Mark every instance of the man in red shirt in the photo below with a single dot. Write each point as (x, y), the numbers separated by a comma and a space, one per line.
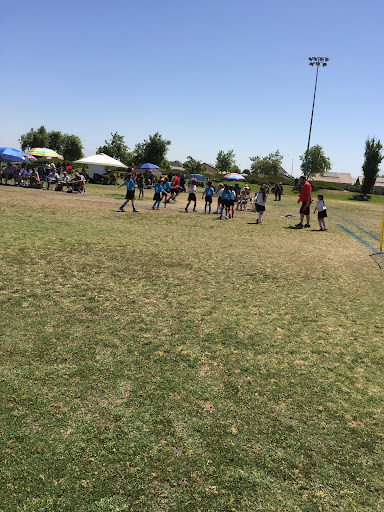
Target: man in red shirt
(305, 199)
(175, 189)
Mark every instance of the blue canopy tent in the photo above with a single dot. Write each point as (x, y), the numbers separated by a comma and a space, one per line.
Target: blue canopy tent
(198, 177)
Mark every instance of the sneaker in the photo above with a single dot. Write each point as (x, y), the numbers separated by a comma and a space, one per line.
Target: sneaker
(307, 225)
(157, 208)
(229, 215)
(121, 209)
(153, 208)
(135, 211)
(299, 225)
(257, 221)
(194, 209)
(321, 229)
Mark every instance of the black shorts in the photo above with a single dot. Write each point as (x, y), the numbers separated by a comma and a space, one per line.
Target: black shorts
(260, 208)
(231, 202)
(219, 200)
(157, 196)
(208, 199)
(192, 197)
(304, 210)
(174, 190)
(321, 215)
(164, 193)
(130, 194)
(225, 202)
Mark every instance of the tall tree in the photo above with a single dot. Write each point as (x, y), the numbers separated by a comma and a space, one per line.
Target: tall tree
(193, 166)
(116, 148)
(266, 165)
(152, 151)
(55, 141)
(226, 162)
(72, 148)
(34, 138)
(372, 160)
(318, 163)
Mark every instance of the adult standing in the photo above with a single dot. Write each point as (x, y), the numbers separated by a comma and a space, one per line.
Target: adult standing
(305, 199)
(134, 173)
(280, 191)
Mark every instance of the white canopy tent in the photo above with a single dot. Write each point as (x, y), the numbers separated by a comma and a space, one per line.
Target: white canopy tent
(97, 163)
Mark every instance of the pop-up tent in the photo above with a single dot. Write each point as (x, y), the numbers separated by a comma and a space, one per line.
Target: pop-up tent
(97, 163)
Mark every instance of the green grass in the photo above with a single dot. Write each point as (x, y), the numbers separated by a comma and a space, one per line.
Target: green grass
(165, 361)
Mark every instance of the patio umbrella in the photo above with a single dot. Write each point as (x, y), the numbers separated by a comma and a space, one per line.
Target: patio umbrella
(147, 166)
(234, 176)
(151, 167)
(44, 153)
(12, 155)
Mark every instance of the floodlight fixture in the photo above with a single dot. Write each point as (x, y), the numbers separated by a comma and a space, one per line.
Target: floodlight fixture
(318, 61)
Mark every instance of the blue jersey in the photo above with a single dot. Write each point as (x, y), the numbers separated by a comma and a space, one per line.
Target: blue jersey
(130, 184)
(158, 188)
(167, 186)
(209, 191)
(227, 195)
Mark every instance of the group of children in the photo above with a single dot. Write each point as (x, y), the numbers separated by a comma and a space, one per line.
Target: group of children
(226, 198)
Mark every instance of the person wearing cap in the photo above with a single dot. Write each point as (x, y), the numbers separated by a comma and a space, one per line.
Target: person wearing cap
(64, 182)
(52, 177)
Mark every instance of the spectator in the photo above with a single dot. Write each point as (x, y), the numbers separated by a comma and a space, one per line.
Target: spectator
(305, 199)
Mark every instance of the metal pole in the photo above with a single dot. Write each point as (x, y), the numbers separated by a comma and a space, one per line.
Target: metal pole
(310, 126)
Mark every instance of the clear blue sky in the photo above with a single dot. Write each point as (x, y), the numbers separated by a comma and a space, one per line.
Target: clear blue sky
(208, 75)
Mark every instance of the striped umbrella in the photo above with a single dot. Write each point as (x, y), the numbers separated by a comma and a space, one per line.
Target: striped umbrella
(234, 176)
(44, 153)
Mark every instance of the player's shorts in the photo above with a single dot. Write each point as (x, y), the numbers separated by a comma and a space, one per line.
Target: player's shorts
(130, 194)
(322, 215)
(208, 199)
(260, 208)
(192, 197)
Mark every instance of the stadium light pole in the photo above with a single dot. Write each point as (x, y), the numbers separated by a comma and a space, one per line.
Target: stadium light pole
(313, 61)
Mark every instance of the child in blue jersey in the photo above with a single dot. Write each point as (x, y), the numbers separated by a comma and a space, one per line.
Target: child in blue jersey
(167, 190)
(157, 197)
(208, 193)
(225, 201)
(130, 184)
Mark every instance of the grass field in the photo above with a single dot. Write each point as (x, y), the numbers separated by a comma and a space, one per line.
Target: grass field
(171, 361)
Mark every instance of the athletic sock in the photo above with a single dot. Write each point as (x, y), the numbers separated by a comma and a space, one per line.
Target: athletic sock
(209, 209)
